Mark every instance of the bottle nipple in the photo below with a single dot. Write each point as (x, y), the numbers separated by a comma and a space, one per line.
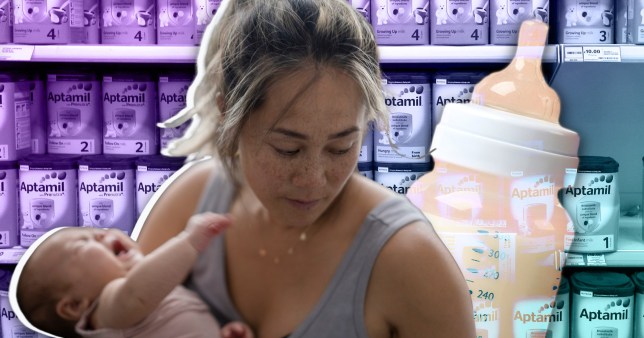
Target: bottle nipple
(520, 88)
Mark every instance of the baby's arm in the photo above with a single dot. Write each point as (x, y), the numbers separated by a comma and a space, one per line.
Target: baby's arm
(128, 300)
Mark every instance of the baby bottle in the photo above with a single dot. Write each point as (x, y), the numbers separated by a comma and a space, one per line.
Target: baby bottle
(492, 196)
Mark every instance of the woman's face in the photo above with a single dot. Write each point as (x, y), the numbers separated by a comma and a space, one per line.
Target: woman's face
(299, 148)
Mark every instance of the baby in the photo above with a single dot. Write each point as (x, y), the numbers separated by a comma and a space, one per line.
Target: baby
(92, 282)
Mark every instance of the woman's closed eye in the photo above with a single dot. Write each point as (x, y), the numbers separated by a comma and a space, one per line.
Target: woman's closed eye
(340, 151)
(286, 152)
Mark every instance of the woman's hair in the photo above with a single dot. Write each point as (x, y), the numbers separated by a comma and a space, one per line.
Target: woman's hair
(250, 46)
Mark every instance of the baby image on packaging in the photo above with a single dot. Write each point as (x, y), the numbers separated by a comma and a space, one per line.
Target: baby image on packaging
(99, 284)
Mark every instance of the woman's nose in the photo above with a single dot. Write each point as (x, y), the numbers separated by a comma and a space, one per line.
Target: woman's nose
(309, 173)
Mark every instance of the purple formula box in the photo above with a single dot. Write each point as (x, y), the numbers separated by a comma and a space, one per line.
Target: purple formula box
(89, 33)
(11, 325)
(15, 117)
(204, 12)
(449, 88)
(151, 173)
(586, 21)
(6, 22)
(106, 191)
(130, 114)
(400, 22)
(92, 22)
(176, 24)
(363, 7)
(507, 16)
(460, 22)
(46, 21)
(38, 115)
(173, 90)
(9, 204)
(48, 195)
(408, 98)
(128, 22)
(74, 110)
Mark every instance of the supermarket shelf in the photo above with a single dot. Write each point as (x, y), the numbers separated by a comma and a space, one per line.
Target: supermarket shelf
(456, 54)
(188, 54)
(99, 53)
(630, 251)
(611, 53)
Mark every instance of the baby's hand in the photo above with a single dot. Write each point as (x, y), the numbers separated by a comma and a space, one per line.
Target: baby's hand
(204, 227)
(236, 330)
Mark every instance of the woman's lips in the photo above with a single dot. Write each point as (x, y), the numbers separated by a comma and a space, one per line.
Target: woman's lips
(301, 204)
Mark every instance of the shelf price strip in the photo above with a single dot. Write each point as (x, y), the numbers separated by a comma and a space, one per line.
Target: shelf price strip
(592, 54)
(16, 52)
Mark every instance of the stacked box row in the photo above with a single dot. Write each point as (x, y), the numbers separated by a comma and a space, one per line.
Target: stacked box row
(395, 22)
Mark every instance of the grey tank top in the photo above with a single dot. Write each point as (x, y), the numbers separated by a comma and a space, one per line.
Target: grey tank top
(340, 310)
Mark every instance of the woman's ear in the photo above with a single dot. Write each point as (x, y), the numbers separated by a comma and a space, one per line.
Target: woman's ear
(70, 308)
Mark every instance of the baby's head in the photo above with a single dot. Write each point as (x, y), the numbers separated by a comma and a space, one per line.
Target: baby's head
(67, 272)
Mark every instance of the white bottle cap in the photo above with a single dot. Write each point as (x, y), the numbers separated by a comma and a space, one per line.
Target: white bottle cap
(498, 142)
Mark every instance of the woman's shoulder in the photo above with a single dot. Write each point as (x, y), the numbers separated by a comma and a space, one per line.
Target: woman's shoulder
(416, 257)
(368, 194)
(434, 297)
(188, 183)
(176, 202)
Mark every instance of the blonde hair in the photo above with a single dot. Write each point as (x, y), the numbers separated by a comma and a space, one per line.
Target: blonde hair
(250, 45)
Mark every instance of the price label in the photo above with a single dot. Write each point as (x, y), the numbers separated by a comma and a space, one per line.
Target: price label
(573, 54)
(575, 260)
(596, 260)
(11, 255)
(602, 54)
(592, 54)
(16, 52)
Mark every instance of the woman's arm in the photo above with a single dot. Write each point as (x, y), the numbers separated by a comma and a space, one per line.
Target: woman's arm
(176, 204)
(422, 290)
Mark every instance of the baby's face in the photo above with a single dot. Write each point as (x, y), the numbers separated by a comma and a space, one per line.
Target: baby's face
(95, 257)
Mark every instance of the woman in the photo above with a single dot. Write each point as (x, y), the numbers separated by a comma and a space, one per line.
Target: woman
(282, 100)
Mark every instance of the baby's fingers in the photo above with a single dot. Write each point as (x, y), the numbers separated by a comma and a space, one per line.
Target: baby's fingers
(236, 330)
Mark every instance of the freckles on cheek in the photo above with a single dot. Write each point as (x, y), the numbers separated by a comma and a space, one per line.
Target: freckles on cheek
(267, 166)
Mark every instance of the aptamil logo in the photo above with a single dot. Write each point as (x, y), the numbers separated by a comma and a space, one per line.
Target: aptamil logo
(179, 97)
(6, 313)
(544, 186)
(72, 94)
(152, 187)
(409, 102)
(402, 187)
(588, 190)
(442, 101)
(539, 317)
(104, 185)
(483, 313)
(465, 184)
(44, 186)
(616, 314)
(129, 94)
(147, 188)
(599, 315)
(492, 316)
